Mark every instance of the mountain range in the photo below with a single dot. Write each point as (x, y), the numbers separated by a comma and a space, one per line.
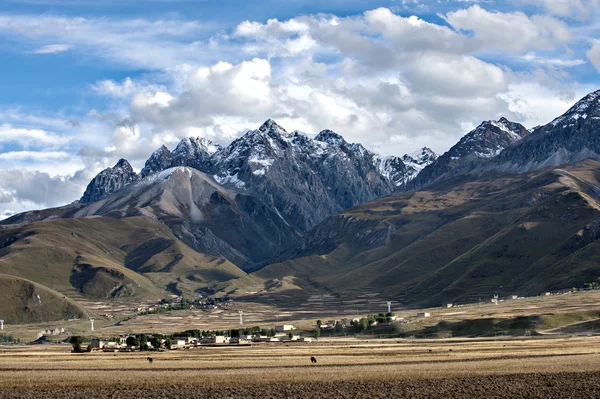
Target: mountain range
(278, 211)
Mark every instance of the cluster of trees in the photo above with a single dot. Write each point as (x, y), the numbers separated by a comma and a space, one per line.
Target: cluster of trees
(256, 330)
(141, 342)
(340, 326)
(9, 339)
(366, 322)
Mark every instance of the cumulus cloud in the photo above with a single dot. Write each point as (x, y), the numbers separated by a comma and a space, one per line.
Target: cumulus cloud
(513, 32)
(20, 186)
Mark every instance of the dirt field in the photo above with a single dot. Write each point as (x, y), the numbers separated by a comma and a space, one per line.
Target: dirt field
(548, 368)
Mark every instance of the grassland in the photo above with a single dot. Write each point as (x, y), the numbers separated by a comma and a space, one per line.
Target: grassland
(346, 368)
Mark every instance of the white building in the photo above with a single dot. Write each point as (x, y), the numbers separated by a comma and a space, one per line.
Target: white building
(284, 327)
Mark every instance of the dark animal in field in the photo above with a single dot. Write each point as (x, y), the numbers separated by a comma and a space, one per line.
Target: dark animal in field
(430, 350)
(449, 350)
(149, 360)
(313, 359)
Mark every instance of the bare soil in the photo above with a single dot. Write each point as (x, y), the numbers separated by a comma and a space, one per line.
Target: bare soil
(558, 385)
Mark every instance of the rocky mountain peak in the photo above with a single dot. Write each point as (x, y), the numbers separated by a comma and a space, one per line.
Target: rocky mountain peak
(330, 137)
(488, 139)
(271, 128)
(108, 181)
(160, 159)
(124, 165)
(423, 156)
(587, 107)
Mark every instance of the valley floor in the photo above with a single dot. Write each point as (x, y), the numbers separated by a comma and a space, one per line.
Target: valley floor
(453, 368)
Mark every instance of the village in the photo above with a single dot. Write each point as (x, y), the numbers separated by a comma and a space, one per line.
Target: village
(188, 340)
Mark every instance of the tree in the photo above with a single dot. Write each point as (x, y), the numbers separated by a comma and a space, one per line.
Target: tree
(317, 332)
(291, 335)
(363, 324)
(155, 342)
(76, 341)
(132, 341)
(319, 324)
(143, 342)
(168, 343)
(338, 327)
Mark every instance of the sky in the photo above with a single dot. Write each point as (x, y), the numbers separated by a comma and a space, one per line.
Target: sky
(84, 83)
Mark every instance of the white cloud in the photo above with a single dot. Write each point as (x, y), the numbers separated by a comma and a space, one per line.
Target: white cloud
(33, 155)
(593, 53)
(533, 58)
(566, 8)
(124, 89)
(29, 137)
(134, 42)
(39, 189)
(53, 49)
(512, 32)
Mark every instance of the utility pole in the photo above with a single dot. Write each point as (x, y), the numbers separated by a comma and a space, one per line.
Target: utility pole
(92, 323)
(389, 303)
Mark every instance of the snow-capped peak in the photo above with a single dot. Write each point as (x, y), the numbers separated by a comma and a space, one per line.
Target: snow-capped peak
(589, 106)
(272, 128)
(330, 137)
(193, 144)
(124, 165)
(421, 156)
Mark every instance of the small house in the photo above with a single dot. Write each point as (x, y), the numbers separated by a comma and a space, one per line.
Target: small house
(423, 314)
(217, 339)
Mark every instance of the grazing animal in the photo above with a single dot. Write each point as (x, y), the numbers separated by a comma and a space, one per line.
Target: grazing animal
(149, 360)
(430, 350)
(450, 350)
(313, 359)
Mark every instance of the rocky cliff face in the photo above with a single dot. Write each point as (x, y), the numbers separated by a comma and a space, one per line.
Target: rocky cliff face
(487, 141)
(108, 181)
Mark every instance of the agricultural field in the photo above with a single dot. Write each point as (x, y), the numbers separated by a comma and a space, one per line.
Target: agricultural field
(517, 367)
(573, 313)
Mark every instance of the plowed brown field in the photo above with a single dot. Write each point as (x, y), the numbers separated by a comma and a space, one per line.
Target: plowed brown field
(523, 368)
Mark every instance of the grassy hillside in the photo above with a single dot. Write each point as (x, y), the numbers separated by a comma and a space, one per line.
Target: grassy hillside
(104, 258)
(23, 301)
(455, 242)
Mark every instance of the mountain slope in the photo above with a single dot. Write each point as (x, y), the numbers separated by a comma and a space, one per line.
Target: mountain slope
(23, 301)
(104, 258)
(454, 242)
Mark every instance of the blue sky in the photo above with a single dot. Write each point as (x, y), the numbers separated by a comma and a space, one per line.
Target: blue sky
(84, 83)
